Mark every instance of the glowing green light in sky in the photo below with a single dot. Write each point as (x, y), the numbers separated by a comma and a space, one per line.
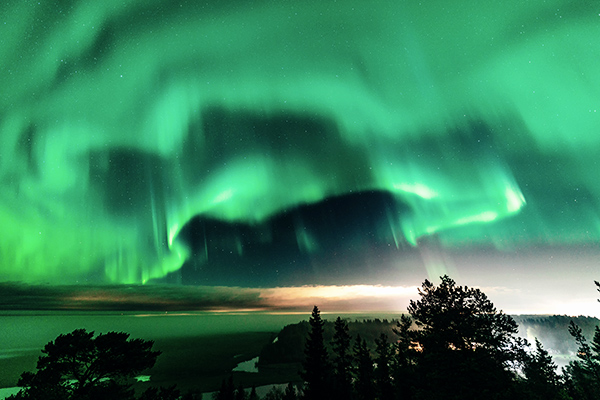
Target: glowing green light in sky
(122, 120)
(417, 188)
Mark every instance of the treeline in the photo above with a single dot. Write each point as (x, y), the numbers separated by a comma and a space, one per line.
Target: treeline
(552, 331)
(289, 346)
(453, 345)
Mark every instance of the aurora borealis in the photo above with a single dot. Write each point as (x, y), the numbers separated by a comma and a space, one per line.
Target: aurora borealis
(295, 142)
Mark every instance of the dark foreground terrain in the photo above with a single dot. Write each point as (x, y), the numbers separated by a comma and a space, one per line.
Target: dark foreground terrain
(199, 351)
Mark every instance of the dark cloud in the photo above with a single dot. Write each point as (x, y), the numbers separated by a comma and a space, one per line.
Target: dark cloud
(20, 297)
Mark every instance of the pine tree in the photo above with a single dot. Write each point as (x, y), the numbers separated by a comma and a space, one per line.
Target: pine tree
(316, 365)
(80, 366)
(460, 318)
(342, 361)
(468, 347)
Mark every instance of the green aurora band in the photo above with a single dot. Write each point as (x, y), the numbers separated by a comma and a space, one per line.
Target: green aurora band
(120, 120)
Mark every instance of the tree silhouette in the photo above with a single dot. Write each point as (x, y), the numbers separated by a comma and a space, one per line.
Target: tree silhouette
(274, 393)
(80, 366)
(540, 371)
(364, 384)
(227, 390)
(240, 393)
(253, 395)
(342, 360)
(382, 372)
(170, 393)
(460, 318)
(468, 347)
(583, 374)
(192, 395)
(290, 392)
(316, 365)
(404, 359)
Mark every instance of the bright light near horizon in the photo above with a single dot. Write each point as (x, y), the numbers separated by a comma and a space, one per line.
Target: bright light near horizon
(344, 297)
(573, 308)
(513, 301)
(375, 298)
(343, 291)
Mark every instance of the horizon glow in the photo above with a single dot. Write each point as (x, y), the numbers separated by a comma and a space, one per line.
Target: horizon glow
(176, 300)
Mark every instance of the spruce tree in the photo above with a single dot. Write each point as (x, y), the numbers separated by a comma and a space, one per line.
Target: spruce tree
(583, 374)
(382, 372)
(540, 371)
(227, 390)
(240, 393)
(364, 385)
(316, 370)
(404, 359)
(253, 395)
(342, 360)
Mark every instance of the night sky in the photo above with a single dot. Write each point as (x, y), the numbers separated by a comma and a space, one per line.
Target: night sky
(274, 144)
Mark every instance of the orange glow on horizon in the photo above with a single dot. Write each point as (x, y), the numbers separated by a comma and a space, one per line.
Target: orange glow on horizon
(341, 298)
